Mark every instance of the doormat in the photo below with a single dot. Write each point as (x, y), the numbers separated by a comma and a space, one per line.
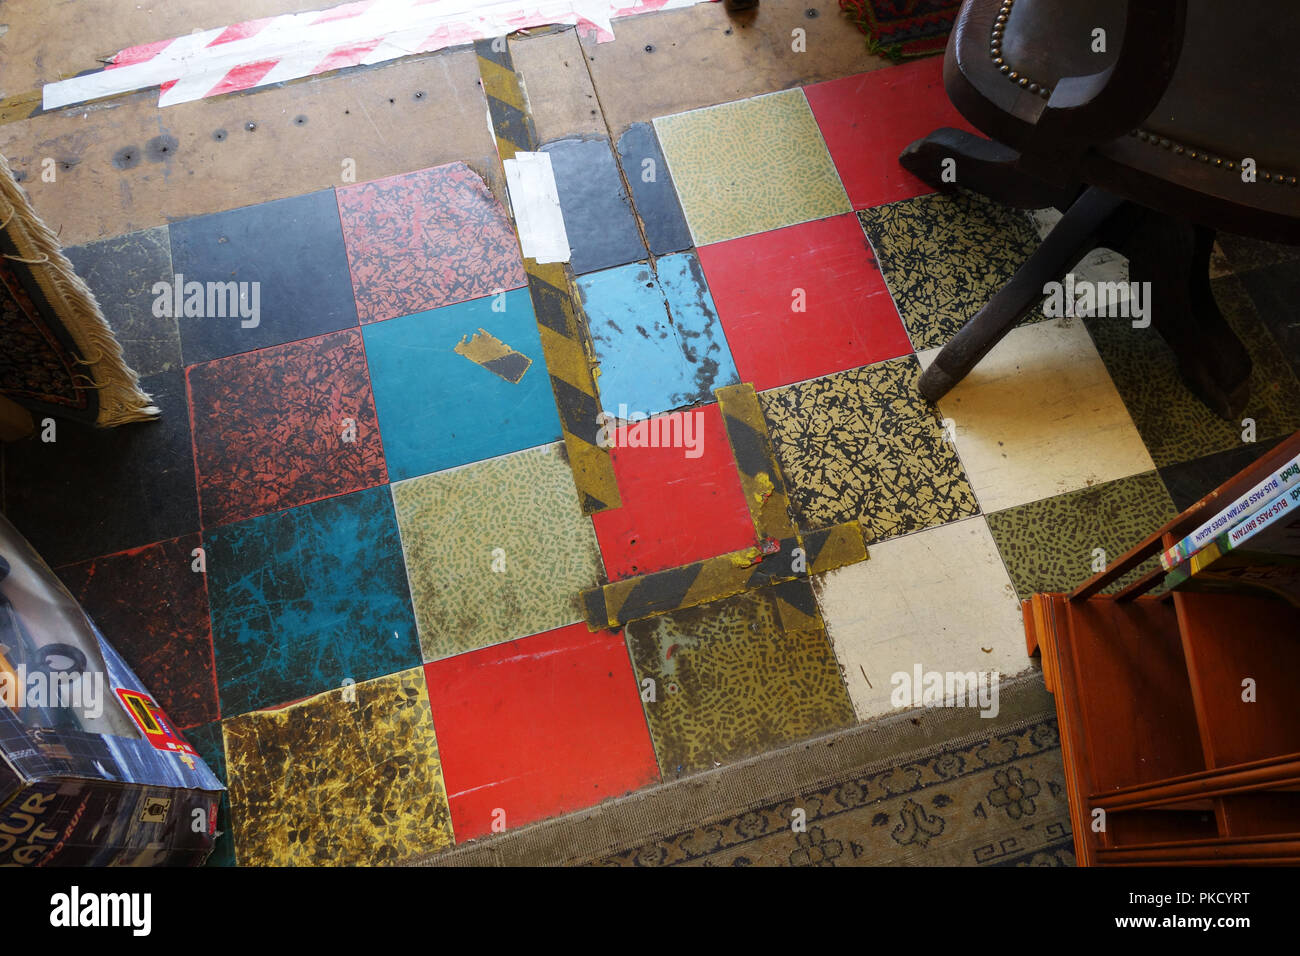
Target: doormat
(899, 29)
(932, 787)
(58, 355)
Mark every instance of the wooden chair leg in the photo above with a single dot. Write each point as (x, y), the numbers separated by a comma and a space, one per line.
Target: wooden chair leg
(1174, 256)
(1072, 239)
(981, 166)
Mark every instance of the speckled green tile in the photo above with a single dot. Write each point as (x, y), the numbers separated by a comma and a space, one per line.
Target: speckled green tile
(495, 550)
(751, 166)
(729, 681)
(1050, 545)
(1175, 425)
(944, 256)
(349, 777)
(863, 444)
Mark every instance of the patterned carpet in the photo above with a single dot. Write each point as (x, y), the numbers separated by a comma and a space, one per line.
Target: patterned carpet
(903, 28)
(934, 787)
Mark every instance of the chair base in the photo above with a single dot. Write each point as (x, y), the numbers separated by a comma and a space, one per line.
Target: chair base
(1171, 254)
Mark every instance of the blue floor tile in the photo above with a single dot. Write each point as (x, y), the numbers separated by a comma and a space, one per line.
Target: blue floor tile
(293, 248)
(304, 599)
(657, 337)
(437, 408)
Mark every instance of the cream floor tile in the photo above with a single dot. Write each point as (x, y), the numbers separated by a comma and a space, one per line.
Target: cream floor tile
(939, 598)
(1040, 416)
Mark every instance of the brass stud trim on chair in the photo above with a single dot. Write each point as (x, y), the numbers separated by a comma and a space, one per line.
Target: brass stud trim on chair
(1180, 149)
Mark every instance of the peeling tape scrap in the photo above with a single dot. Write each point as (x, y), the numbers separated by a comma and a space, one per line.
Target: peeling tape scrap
(275, 49)
(535, 201)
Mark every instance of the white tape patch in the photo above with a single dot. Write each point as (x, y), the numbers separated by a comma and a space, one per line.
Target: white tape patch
(274, 49)
(536, 204)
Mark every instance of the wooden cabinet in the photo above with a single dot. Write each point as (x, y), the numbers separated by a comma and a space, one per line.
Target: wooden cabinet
(1168, 759)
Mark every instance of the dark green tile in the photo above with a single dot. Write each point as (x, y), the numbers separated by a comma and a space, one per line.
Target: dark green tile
(1048, 545)
(1190, 481)
(1173, 423)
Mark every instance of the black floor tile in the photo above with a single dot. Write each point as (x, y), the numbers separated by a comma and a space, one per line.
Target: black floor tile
(293, 248)
(122, 272)
(652, 190)
(597, 213)
(92, 492)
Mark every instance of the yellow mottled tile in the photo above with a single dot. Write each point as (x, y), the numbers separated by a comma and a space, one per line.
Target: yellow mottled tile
(349, 777)
(750, 166)
(1040, 416)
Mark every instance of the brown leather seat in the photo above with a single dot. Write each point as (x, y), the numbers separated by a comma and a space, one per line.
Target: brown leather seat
(1234, 94)
(1144, 144)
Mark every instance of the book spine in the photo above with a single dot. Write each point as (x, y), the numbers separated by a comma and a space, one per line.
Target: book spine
(1267, 514)
(1265, 491)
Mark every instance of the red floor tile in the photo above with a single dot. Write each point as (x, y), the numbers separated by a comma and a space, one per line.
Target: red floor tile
(153, 608)
(848, 320)
(426, 239)
(270, 428)
(867, 119)
(538, 727)
(675, 509)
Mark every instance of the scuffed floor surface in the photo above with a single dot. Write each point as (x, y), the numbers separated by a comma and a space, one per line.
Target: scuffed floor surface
(350, 558)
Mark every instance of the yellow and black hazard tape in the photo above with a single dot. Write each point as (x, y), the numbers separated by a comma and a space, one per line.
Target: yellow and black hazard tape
(20, 106)
(702, 582)
(566, 343)
(783, 556)
(760, 475)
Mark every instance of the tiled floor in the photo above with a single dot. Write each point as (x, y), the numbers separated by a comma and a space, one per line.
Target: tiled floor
(349, 558)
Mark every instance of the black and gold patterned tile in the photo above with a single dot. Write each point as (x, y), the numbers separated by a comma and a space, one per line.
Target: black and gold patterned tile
(730, 680)
(1058, 543)
(944, 256)
(862, 444)
(1174, 424)
(349, 777)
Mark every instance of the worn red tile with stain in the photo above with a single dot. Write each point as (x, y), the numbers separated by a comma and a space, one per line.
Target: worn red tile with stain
(426, 239)
(802, 302)
(676, 509)
(868, 119)
(284, 426)
(152, 606)
(538, 727)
